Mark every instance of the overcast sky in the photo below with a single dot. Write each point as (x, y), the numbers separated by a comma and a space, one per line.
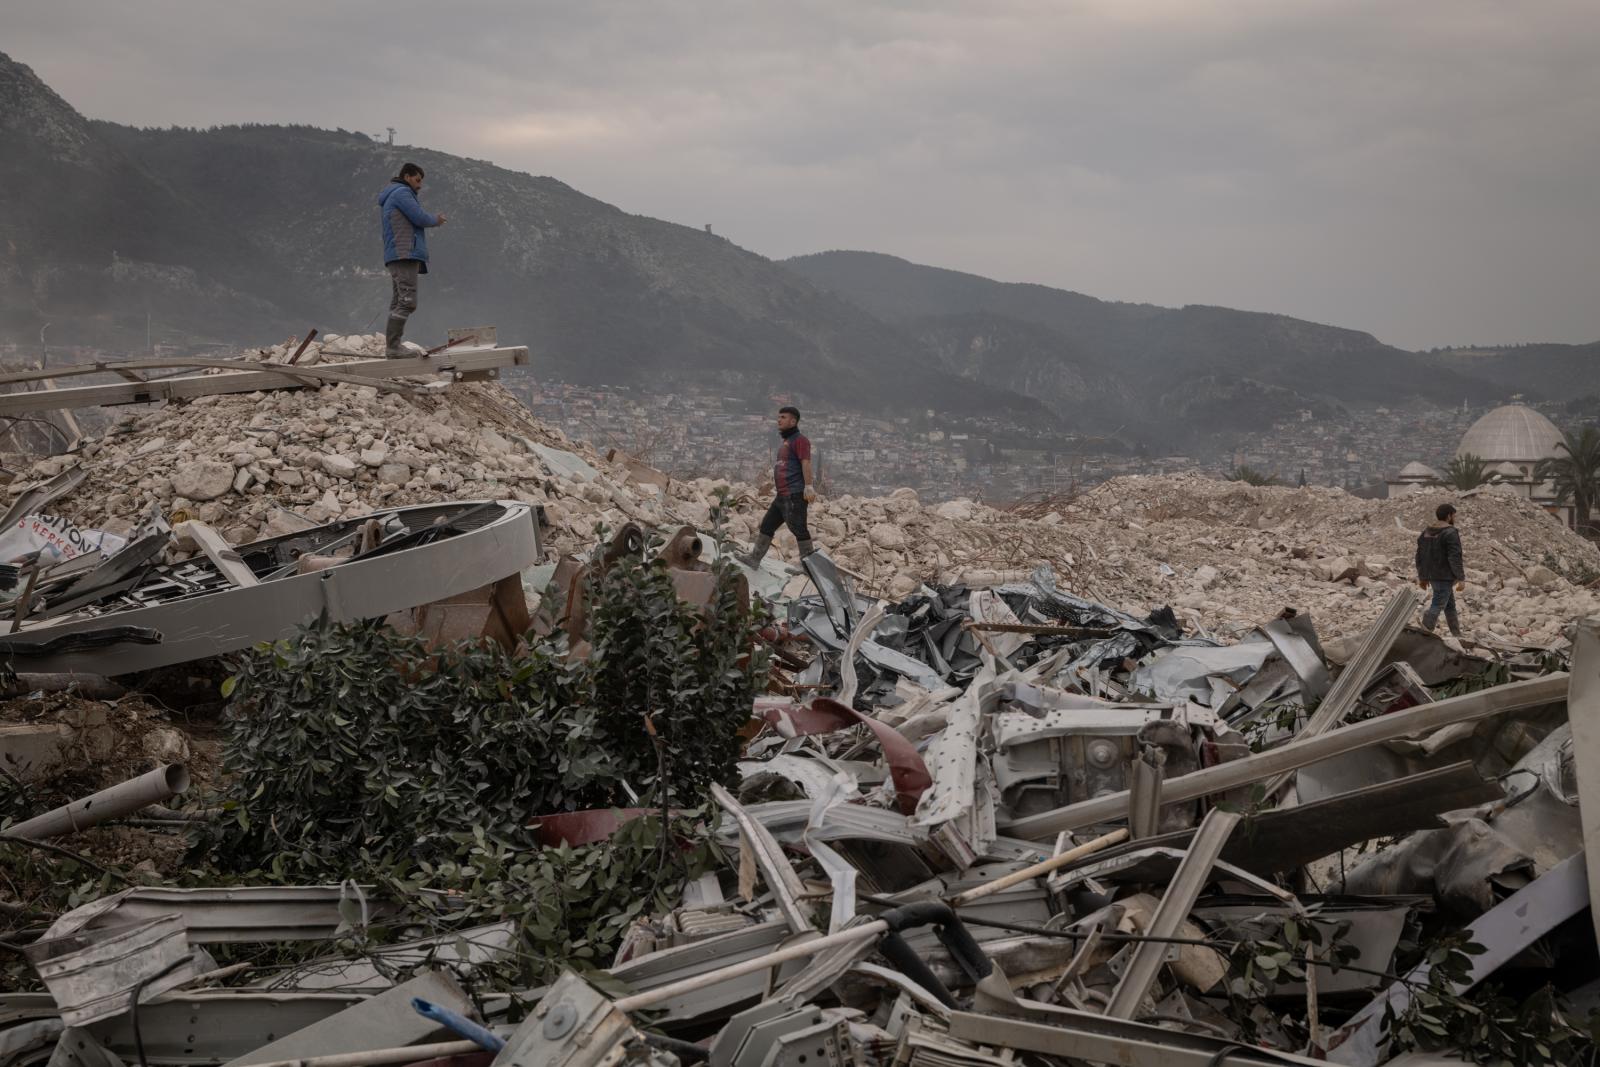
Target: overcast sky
(1426, 170)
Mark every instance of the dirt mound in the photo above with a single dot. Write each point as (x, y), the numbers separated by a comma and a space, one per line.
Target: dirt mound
(1223, 553)
(1238, 552)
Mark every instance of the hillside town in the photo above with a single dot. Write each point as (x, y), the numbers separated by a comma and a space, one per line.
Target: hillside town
(692, 433)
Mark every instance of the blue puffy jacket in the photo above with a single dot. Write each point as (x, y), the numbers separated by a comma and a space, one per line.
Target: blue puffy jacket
(404, 224)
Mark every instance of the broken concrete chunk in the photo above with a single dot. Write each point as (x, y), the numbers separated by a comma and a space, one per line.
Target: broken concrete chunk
(393, 473)
(1542, 577)
(202, 479)
(340, 466)
(1337, 569)
(886, 536)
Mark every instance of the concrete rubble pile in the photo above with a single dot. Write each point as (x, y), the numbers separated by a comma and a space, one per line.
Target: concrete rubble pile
(1013, 795)
(1222, 554)
(237, 461)
(1226, 552)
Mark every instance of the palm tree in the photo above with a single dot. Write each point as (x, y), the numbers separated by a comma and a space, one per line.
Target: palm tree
(1251, 476)
(1575, 472)
(1467, 471)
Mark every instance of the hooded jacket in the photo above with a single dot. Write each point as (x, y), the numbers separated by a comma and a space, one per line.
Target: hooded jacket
(405, 224)
(1439, 554)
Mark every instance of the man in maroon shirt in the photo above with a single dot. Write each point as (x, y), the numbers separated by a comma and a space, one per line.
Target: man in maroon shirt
(791, 478)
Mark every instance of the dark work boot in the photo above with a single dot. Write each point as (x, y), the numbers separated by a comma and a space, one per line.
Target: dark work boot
(391, 338)
(806, 548)
(1453, 621)
(1430, 619)
(752, 559)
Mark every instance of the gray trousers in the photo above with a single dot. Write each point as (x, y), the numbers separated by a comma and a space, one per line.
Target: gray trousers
(403, 275)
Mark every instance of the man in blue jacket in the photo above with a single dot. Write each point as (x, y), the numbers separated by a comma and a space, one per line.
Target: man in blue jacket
(405, 249)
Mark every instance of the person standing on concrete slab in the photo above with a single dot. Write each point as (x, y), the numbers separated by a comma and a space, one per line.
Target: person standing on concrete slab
(405, 249)
(1439, 567)
(793, 489)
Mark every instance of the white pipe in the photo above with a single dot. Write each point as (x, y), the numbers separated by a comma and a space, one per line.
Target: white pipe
(124, 798)
(1088, 848)
(750, 966)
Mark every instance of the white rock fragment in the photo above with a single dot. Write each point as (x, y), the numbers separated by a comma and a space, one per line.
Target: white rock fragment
(202, 479)
(340, 466)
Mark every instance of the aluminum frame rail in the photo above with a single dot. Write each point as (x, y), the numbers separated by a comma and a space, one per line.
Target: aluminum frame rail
(1192, 875)
(232, 618)
(1358, 672)
(1583, 712)
(1077, 1035)
(461, 363)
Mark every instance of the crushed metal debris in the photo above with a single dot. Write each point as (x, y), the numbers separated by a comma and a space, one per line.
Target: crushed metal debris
(989, 819)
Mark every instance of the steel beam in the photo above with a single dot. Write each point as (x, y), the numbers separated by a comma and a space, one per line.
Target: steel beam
(214, 1025)
(1077, 1035)
(385, 1020)
(787, 889)
(1583, 713)
(1182, 892)
(459, 362)
(1535, 692)
(225, 620)
(1286, 838)
(234, 914)
(1358, 672)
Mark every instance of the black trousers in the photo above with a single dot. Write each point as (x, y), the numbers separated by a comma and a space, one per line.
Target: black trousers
(786, 508)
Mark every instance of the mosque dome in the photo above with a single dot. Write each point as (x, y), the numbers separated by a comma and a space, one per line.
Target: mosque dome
(1418, 469)
(1514, 433)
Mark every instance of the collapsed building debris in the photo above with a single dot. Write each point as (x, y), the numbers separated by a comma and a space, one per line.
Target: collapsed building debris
(1020, 807)
(131, 611)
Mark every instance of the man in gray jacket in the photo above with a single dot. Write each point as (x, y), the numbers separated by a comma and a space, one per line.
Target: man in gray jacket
(405, 249)
(1439, 568)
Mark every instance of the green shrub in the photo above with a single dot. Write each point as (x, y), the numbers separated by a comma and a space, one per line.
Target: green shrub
(354, 752)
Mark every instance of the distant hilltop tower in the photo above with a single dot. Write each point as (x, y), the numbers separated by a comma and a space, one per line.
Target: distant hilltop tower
(391, 133)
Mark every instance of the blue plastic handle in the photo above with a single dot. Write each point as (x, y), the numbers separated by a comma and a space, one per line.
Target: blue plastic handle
(460, 1024)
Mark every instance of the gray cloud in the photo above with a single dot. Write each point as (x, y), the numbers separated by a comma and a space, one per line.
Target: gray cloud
(1422, 170)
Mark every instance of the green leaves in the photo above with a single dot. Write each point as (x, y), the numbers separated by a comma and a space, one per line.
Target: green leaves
(1486, 1025)
(356, 753)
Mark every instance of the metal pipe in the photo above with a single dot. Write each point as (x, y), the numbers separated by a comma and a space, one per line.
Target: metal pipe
(738, 970)
(125, 798)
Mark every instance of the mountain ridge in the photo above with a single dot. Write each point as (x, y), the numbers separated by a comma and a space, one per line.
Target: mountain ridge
(1149, 342)
(238, 232)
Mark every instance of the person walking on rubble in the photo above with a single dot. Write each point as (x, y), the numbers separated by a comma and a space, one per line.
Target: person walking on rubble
(405, 249)
(793, 489)
(1439, 567)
